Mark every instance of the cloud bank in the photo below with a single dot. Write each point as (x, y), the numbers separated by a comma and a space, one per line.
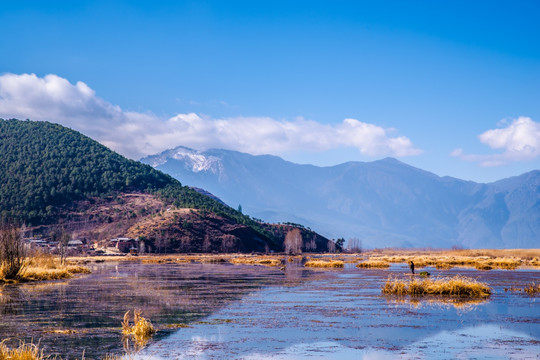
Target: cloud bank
(519, 140)
(134, 134)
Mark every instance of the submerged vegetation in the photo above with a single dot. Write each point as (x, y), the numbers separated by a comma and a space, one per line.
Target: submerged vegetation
(459, 286)
(531, 289)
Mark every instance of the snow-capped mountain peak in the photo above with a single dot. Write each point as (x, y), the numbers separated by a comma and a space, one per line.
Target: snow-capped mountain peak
(193, 160)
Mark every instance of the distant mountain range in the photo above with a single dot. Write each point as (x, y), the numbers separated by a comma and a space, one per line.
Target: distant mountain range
(382, 203)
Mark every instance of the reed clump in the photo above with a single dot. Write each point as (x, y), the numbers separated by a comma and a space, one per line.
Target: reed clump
(41, 267)
(141, 330)
(266, 261)
(22, 352)
(373, 264)
(325, 264)
(458, 286)
(532, 289)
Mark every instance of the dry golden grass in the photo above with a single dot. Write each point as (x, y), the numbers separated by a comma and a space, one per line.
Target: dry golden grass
(213, 260)
(532, 289)
(527, 254)
(455, 286)
(325, 264)
(141, 330)
(23, 352)
(444, 259)
(48, 267)
(42, 267)
(373, 264)
(255, 260)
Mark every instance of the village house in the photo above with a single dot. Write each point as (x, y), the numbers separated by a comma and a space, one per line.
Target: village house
(74, 244)
(123, 245)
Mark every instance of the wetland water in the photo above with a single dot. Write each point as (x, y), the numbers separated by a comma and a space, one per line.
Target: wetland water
(223, 311)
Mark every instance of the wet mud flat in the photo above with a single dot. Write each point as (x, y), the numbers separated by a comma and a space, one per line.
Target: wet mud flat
(224, 311)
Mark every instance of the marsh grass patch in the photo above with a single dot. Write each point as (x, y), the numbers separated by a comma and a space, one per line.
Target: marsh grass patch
(325, 263)
(457, 286)
(257, 260)
(24, 351)
(140, 332)
(373, 264)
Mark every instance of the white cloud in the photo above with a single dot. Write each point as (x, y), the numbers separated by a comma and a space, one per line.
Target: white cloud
(134, 134)
(518, 141)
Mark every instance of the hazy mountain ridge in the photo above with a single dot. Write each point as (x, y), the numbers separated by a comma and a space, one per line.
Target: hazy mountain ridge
(383, 203)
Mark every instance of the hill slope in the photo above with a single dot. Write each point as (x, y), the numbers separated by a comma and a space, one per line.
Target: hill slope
(383, 203)
(51, 174)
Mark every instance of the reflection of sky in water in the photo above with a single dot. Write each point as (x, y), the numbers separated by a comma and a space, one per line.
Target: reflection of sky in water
(344, 317)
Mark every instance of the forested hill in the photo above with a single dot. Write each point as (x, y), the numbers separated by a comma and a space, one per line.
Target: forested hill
(44, 166)
(47, 171)
(50, 174)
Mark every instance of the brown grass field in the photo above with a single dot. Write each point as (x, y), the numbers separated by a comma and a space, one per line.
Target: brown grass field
(487, 259)
(41, 267)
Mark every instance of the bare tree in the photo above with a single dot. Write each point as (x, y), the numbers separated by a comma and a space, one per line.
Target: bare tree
(207, 244)
(63, 237)
(293, 241)
(228, 243)
(331, 246)
(12, 252)
(311, 245)
(354, 245)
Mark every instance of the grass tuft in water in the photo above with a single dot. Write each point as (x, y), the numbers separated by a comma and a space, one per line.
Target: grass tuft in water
(455, 286)
(48, 267)
(23, 352)
(256, 260)
(373, 264)
(325, 264)
(141, 330)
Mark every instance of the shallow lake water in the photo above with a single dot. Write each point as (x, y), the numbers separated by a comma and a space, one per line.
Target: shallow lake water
(223, 311)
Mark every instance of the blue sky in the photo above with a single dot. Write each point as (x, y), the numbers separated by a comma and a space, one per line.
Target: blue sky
(450, 87)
